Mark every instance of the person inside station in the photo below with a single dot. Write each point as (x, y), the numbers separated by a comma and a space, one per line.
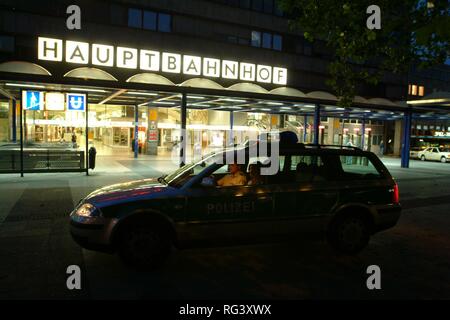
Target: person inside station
(235, 178)
(74, 139)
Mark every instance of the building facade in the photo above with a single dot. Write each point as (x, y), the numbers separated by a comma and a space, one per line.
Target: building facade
(252, 34)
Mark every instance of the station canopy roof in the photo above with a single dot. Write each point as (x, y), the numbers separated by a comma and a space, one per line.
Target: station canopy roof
(154, 90)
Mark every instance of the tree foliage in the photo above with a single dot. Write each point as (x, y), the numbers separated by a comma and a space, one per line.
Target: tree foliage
(412, 32)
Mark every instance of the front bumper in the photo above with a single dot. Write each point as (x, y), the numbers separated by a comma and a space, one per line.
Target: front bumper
(93, 235)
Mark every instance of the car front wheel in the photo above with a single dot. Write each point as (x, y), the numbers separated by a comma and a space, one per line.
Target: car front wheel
(144, 246)
(349, 234)
(422, 158)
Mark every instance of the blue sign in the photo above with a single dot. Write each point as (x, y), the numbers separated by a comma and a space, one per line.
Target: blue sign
(33, 100)
(76, 102)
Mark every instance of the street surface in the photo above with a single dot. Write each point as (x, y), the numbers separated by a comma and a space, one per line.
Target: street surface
(36, 248)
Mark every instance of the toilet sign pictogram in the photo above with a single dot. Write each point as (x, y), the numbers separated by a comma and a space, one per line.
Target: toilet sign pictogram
(76, 102)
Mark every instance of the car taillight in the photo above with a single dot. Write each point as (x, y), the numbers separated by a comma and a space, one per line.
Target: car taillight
(395, 194)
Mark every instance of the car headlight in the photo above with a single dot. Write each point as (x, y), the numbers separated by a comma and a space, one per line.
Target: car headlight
(87, 210)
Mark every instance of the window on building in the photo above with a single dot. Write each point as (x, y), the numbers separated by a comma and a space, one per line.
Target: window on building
(268, 6)
(135, 18)
(164, 22)
(267, 40)
(265, 6)
(416, 90)
(150, 18)
(421, 91)
(258, 5)
(277, 42)
(256, 38)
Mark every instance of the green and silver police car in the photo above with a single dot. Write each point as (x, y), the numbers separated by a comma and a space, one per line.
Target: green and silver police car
(342, 194)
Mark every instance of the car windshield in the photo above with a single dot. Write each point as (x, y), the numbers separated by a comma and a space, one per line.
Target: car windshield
(183, 174)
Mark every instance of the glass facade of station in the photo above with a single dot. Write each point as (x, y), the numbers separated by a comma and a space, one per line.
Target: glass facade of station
(212, 123)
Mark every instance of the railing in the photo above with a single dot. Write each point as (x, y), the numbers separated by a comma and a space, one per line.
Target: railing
(46, 160)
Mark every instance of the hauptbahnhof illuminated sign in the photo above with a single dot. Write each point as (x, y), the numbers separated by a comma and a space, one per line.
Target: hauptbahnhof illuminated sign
(51, 49)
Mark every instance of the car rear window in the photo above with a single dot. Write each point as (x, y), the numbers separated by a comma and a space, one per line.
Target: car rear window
(358, 167)
(324, 167)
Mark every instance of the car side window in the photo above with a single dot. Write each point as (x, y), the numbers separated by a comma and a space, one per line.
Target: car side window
(435, 150)
(315, 168)
(357, 167)
(302, 169)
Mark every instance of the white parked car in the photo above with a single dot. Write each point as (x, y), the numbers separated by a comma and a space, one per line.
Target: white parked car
(414, 152)
(435, 154)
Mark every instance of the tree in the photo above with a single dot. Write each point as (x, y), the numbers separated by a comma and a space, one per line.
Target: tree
(413, 32)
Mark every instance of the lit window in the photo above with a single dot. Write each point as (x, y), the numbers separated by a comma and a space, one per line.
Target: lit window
(409, 89)
(135, 18)
(421, 91)
(414, 90)
(256, 39)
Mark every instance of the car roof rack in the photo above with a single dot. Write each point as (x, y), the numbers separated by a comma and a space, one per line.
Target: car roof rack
(331, 145)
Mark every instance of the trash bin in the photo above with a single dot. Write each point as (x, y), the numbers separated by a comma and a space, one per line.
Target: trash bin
(92, 154)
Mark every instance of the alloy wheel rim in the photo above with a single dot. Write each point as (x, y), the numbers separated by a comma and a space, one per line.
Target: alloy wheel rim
(144, 244)
(351, 233)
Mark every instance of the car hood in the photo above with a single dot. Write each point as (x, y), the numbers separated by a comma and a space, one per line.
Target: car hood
(126, 191)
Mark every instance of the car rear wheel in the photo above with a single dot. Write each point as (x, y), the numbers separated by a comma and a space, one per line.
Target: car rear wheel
(422, 158)
(144, 246)
(349, 234)
(443, 159)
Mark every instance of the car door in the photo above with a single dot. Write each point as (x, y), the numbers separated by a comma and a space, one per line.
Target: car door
(305, 199)
(427, 153)
(227, 213)
(436, 154)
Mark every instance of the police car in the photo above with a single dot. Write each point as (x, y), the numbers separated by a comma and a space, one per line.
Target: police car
(341, 193)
